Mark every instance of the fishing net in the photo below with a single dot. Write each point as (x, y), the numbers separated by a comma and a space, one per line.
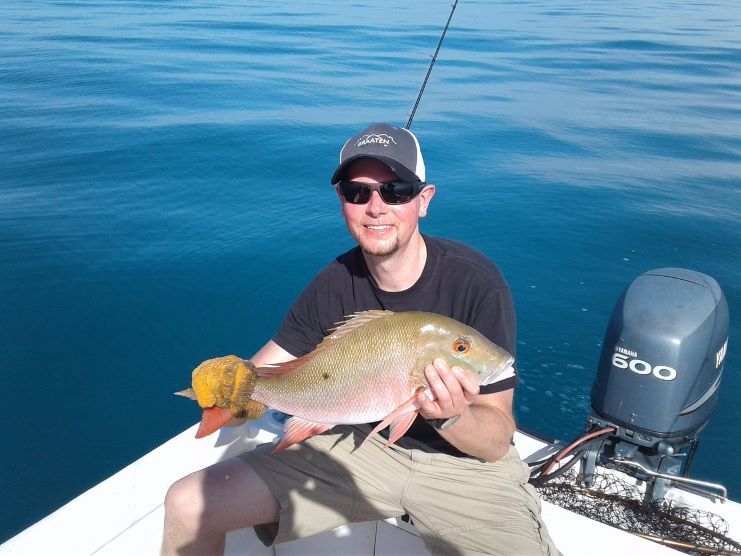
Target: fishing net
(614, 502)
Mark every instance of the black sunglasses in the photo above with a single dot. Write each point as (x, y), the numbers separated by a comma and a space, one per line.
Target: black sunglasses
(392, 192)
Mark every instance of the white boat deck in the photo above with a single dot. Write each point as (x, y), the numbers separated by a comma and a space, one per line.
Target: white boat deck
(123, 515)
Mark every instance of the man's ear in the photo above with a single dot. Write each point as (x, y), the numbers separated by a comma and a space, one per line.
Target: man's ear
(425, 197)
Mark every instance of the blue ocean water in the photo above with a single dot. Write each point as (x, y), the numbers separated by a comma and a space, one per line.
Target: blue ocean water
(164, 193)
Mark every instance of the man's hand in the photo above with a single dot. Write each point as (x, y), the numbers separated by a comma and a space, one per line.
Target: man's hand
(486, 423)
(451, 391)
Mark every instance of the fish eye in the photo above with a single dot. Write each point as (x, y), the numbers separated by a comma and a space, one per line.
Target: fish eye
(462, 344)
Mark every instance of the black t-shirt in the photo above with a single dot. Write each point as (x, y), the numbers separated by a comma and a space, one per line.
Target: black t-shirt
(457, 281)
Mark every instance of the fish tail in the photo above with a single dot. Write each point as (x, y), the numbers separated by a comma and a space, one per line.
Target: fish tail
(252, 410)
(212, 420)
(227, 382)
(223, 387)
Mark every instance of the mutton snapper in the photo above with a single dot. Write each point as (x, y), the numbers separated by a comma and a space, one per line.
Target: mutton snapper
(370, 368)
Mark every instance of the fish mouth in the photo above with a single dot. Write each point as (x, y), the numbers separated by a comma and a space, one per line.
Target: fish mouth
(500, 373)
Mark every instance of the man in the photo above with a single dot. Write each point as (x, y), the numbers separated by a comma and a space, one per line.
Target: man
(455, 471)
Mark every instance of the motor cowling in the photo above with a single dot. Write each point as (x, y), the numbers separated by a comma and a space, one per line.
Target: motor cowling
(662, 358)
(658, 377)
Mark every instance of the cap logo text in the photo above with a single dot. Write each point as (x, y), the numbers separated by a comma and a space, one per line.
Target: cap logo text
(376, 138)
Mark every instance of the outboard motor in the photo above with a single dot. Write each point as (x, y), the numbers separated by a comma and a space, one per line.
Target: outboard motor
(659, 375)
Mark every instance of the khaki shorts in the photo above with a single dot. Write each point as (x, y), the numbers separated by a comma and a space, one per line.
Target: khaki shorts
(458, 505)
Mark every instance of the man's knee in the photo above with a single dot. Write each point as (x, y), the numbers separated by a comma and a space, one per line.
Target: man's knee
(184, 502)
(226, 496)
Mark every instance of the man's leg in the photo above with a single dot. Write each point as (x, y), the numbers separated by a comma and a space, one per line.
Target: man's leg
(201, 507)
(464, 506)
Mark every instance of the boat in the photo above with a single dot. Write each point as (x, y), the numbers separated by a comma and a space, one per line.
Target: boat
(622, 487)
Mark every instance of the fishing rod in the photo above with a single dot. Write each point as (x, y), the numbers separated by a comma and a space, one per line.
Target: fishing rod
(429, 69)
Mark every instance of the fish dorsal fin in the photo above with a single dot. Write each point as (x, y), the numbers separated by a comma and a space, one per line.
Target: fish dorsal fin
(353, 322)
(280, 369)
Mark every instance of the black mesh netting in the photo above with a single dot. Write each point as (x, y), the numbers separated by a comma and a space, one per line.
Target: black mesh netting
(619, 504)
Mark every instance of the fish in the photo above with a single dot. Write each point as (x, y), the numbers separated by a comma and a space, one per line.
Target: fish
(369, 368)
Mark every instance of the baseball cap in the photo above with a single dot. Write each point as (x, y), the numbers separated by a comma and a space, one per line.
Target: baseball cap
(396, 147)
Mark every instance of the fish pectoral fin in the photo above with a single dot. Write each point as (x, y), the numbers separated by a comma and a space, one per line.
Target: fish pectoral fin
(400, 419)
(298, 429)
(212, 420)
(399, 427)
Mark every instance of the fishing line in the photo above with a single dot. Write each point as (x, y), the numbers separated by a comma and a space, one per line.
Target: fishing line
(429, 69)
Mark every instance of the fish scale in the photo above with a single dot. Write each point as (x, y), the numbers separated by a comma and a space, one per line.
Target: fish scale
(369, 387)
(368, 369)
